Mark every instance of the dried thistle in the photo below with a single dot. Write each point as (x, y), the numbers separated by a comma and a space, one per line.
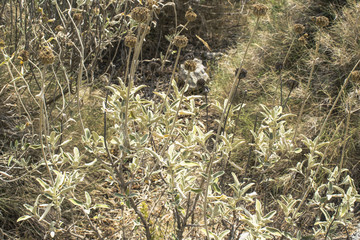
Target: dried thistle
(46, 56)
(355, 76)
(59, 28)
(180, 41)
(130, 41)
(190, 15)
(322, 21)
(23, 55)
(190, 65)
(140, 14)
(299, 28)
(259, 10)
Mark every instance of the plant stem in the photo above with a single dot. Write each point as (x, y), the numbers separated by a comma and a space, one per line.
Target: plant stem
(342, 161)
(308, 93)
(234, 87)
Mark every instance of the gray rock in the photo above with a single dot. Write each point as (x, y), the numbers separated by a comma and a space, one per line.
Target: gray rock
(198, 76)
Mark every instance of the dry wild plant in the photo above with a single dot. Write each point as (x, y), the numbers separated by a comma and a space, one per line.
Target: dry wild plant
(161, 167)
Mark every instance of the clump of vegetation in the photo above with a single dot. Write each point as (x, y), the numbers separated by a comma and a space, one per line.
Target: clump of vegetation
(148, 159)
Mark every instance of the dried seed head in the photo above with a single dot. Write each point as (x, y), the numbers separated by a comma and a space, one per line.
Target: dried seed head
(180, 41)
(242, 73)
(130, 41)
(303, 39)
(59, 28)
(24, 55)
(190, 65)
(259, 10)
(299, 28)
(140, 14)
(190, 15)
(78, 17)
(200, 83)
(355, 76)
(279, 66)
(46, 56)
(2, 43)
(322, 21)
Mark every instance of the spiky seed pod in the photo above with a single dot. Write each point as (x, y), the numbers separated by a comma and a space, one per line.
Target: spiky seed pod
(259, 10)
(180, 41)
(190, 65)
(322, 21)
(2, 43)
(59, 28)
(130, 41)
(46, 56)
(190, 15)
(299, 28)
(78, 17)
(355, 76)
(140, 14)
(24, 55)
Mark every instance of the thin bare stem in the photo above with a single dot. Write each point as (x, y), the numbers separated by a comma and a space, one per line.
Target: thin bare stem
(308, 92)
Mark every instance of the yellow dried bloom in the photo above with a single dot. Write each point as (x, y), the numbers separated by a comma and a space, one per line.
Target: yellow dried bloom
(180, 41)
(190, 15)
(190, 65)
(259, 10)
(130, 41)
(140, 14)
(299, 28)
(46, 56)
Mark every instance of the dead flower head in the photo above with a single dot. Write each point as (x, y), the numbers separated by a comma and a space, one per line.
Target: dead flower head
(140, 14)
(190, 15)
(355, 76)
(259, 10)
(322, 21)
(78, 17)
(46, 56)
(130, 41)
(59, 28)
(190, 65)
(180, 41)
(299, 28)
